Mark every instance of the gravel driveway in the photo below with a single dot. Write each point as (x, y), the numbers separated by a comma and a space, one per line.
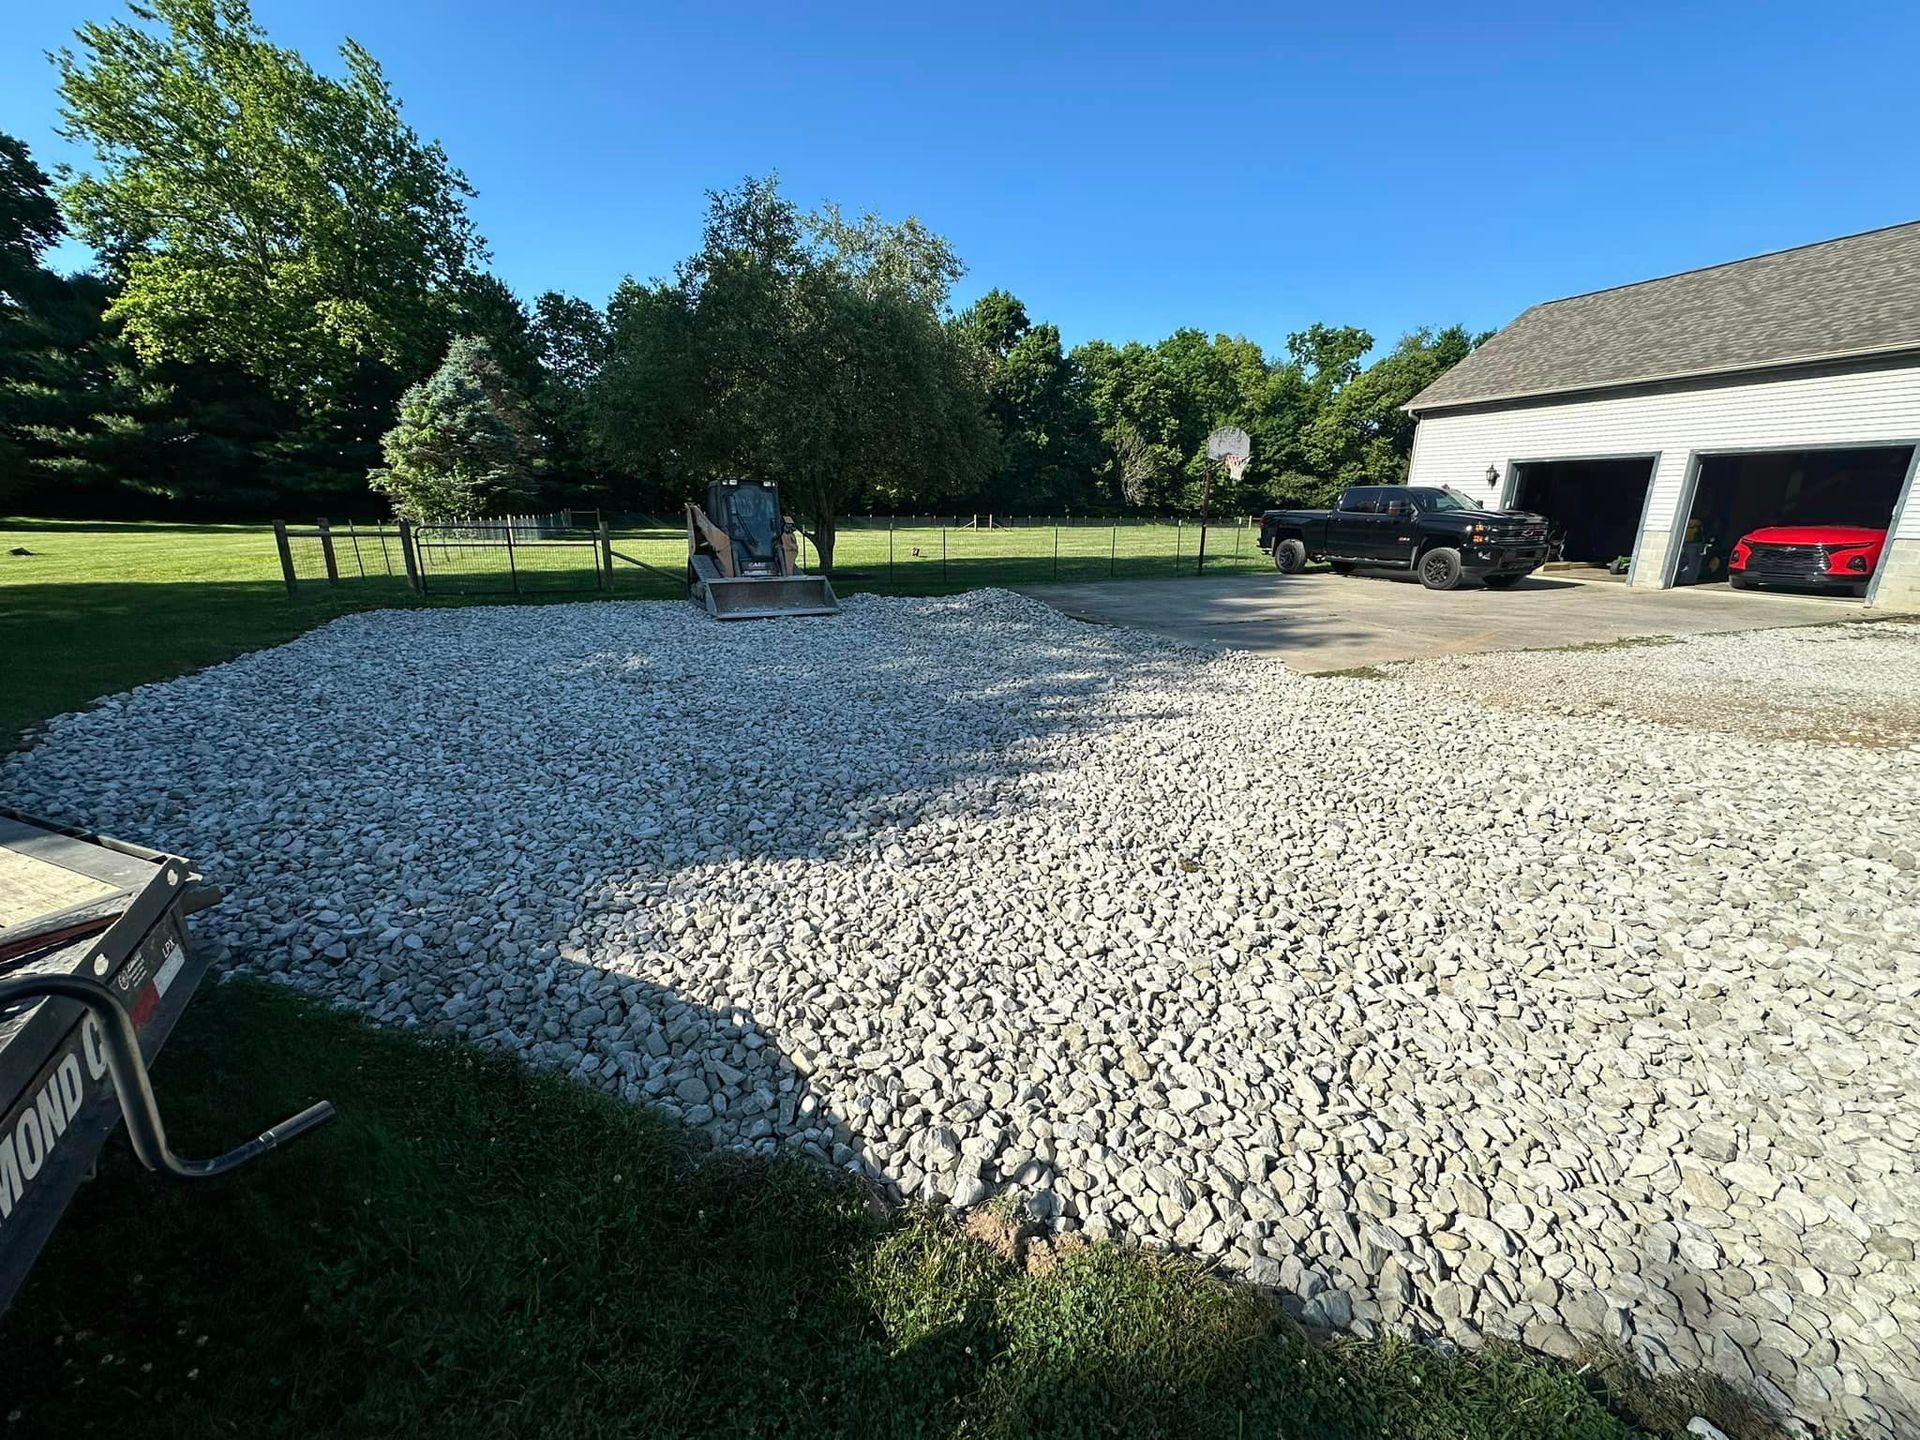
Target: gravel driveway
(1444, 1016)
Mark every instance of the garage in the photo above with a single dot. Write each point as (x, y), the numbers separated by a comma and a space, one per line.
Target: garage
(1735, 495)
(1665, 419)
(1596, 503)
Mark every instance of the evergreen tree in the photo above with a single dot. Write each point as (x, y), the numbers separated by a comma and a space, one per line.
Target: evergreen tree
(454, 453)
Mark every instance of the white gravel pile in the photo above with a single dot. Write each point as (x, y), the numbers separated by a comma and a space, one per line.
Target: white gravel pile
(1440, 1017)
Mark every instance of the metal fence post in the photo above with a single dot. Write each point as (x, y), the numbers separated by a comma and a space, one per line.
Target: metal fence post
(606, 555)
(513, 571)
(1056, 552)
(890, 552)
(286, 553)
(353, 537)
(326, 549)
(943, 554)
(1113, 547)
(1179, 534)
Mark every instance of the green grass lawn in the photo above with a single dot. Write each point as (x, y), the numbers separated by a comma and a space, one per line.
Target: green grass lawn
(474, 1250)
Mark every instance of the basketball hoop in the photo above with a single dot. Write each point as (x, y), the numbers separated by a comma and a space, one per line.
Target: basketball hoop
(1232, 447)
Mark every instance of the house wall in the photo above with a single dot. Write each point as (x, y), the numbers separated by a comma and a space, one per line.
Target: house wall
(1874, 407)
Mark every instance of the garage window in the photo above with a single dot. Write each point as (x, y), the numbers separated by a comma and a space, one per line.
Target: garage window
(1737, 494)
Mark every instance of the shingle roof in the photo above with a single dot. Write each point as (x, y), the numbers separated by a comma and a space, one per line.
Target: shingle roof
(1858, 295)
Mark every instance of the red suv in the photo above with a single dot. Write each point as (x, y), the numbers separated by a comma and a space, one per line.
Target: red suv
(1807, 555)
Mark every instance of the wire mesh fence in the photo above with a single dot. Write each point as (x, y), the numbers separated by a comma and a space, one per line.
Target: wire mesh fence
(517, 555)
(348, 553)
(646, 555)
(473, 557)
(522, 529)
(953, 552)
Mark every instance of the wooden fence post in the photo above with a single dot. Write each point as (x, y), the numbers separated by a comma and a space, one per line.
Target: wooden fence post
(414, 580)
(286, 553)
(326, 550)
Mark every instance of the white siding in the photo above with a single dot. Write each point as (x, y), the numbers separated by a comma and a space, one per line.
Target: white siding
(1864, 408)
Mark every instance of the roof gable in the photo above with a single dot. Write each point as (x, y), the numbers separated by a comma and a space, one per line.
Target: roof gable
(1855, 296)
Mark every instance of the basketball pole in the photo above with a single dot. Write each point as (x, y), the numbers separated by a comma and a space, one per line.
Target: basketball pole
(1206, 500)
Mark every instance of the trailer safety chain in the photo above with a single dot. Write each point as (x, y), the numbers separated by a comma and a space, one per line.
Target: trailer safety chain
(135, 1092)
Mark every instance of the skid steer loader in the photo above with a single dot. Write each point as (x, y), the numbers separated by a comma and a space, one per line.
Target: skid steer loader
(741, 557)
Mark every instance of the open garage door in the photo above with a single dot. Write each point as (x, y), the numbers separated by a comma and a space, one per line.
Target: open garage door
(1596, 502)
(1735, 495)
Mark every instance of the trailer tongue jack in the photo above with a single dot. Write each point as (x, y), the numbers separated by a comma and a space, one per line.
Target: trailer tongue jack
(121, 1045)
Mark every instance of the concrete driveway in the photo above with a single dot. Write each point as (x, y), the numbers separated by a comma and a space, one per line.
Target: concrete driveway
(1321, 621)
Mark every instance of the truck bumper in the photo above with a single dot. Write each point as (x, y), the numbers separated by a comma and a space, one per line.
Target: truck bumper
(1481, 560)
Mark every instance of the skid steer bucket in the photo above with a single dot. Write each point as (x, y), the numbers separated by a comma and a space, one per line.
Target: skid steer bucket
(755, 598)
(742, 557)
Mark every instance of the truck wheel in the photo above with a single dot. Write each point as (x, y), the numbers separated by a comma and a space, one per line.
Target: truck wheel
(1440, 568)
(1289, 557)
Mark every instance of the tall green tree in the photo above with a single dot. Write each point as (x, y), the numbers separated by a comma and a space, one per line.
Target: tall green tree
(805, 349)
(1361, 435)
(78, 409)
(29, 225)
(646, 414)
(454, 452)
(255, 214)
(1329, 355)
(29, 219)
(1142, 461)
(1037, 399)
(569, 336)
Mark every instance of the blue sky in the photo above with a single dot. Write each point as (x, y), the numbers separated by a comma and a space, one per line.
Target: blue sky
(1130, 169)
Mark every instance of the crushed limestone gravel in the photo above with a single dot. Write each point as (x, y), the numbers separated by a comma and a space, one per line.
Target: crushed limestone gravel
(1851, 684)
(1461, 1019)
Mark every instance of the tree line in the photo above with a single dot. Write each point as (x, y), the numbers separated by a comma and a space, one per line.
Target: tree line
(293, 311)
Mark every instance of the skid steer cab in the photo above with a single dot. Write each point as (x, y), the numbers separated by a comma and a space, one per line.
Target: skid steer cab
(742, 557)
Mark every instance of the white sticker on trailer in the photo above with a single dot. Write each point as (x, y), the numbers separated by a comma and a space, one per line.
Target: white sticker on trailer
(175, 956)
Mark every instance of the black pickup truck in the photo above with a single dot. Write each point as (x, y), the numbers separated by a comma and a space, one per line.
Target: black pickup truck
(1438, 534)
